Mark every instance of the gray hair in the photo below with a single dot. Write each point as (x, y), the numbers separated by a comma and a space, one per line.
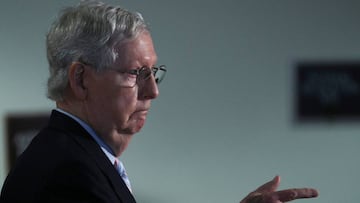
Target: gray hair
(87, 33)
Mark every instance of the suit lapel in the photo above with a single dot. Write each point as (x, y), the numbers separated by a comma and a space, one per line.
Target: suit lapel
(81, 136)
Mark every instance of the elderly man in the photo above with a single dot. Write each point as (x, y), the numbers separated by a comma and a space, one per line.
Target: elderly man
(103, 77)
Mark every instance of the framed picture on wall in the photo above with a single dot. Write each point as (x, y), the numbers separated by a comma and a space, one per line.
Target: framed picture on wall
(20, 130)
(327, 91)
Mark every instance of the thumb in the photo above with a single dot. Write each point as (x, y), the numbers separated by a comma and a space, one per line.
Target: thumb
(270, 186)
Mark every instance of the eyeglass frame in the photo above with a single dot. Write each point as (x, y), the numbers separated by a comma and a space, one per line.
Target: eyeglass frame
(138, 71)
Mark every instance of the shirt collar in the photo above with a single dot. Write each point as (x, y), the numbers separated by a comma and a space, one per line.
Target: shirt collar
(106, 148)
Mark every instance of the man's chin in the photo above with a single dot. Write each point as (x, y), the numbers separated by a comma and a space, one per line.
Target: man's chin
(135, 127)
(139, 125)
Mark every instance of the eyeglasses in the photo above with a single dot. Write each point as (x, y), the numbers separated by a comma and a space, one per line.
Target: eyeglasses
(129, 78)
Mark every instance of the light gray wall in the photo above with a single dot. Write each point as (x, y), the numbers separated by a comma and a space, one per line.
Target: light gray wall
(223, 123)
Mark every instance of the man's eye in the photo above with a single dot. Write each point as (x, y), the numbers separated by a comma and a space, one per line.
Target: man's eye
(133, 72)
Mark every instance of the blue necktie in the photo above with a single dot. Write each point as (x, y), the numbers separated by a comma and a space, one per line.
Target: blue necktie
(121, 169)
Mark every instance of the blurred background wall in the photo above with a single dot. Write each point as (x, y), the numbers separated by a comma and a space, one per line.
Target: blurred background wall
(223, 123)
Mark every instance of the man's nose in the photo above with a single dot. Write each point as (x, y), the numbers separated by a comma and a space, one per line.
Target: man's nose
(148, 89)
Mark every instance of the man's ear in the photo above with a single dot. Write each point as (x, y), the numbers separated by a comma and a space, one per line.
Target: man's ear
(76, 80)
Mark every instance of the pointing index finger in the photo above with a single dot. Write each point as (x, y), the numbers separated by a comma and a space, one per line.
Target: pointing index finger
(296, 193)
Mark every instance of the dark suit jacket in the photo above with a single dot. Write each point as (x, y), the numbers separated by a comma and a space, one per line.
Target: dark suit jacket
(64, 164)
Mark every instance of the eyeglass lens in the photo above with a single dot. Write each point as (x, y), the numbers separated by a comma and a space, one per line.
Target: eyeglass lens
(158, 72)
